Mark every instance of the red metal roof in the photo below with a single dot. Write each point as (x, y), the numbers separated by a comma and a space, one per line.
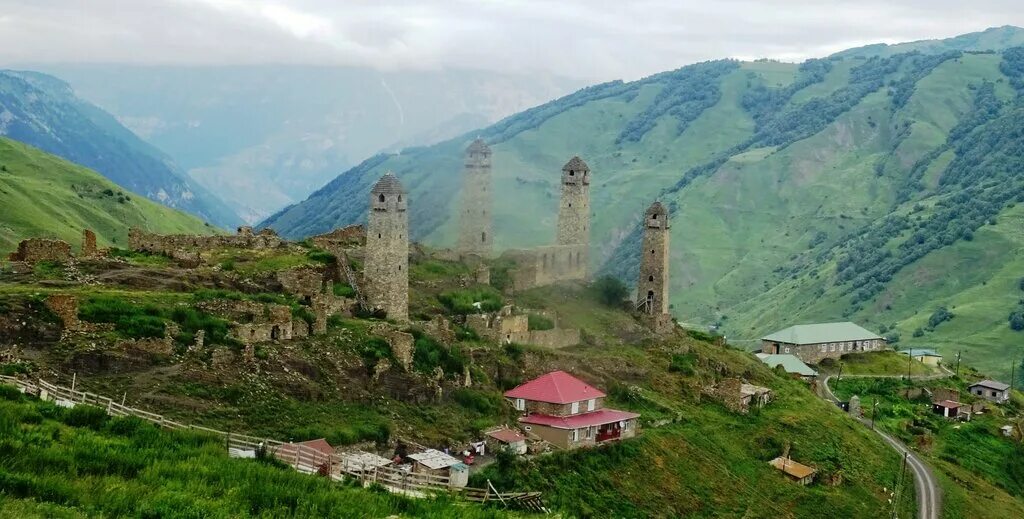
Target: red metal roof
(507, 435)
(599, 417)
(557, 387)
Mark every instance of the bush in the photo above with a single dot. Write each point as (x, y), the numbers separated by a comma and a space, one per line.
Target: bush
(539, 322)
(683, 364)
(343, 290)
(429, 354)
(480, 401)
(321, 256)
(939, 316)
(610, 290)
(1016, 321)
(86, 416)
(463, 301)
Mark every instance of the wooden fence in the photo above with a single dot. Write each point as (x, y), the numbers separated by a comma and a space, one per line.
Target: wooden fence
(300, 457)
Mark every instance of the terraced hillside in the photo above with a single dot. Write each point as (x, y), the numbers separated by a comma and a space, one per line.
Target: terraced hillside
(787, 184)
(42, 195)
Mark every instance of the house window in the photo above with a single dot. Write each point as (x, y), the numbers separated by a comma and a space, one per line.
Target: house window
(824, 348)
(574, 408)
(520, 404)
(575, 435)
(590, 432)
(591, 404)
(787, 349)
(994, 394)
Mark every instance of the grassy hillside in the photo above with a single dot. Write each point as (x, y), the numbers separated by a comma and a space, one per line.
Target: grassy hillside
(44, 112)
(787, 183)
(42, 195)
(694, 458)
(81, 463)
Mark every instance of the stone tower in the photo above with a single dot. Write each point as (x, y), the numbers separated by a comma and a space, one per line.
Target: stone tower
(386, 266)
(652, 287)
(475, 217)
(574, 212)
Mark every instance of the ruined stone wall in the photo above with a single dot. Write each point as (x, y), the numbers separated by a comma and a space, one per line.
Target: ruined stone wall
(546, 265)
(386, 267)
(348, 236)
(556, 338)
(652, 286)
(65, 306)
(306, 281)
(498, 327)
(475, 216)
(168, 244)
(88, 243)
(728, 392)
(39, 249)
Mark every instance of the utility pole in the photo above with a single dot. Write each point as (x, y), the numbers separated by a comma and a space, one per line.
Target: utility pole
(958, 363)
(1013, 373)
(840, 377)
(910, 360)
(874, 409)
(897, 493)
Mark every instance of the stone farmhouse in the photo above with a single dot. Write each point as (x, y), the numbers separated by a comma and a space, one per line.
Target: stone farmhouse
(991, 390)
(568, 413)
(813, 343)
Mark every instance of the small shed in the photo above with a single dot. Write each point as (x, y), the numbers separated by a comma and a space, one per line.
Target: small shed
(950, 409)
(755, 396)
(512, 440)
(437, 463)
(307, 456)
(798, 472)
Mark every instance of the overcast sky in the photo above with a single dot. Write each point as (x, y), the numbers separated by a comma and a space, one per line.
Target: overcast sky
(587, 39)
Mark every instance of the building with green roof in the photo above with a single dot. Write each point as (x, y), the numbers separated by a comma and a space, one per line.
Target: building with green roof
(813, 343)
(790, 363)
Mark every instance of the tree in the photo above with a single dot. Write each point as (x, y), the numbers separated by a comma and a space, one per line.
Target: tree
(610, 290)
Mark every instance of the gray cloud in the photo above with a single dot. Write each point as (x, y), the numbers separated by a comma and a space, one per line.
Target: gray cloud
(592, 39)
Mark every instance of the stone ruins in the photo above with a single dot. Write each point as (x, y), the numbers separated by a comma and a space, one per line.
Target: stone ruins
(34, 250)
(511, 326)
(386, 268)
(475, 220)
(569, 257)
(174, 245)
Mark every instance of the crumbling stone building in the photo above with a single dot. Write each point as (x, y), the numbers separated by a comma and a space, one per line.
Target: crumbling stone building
(506, 327)
(652, 287)
(40, 249)
(386, 267)
(475, 219)
(568, 259)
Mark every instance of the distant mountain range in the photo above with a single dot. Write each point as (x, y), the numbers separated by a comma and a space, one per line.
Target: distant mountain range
(44, 196)
(263, 137)
(877, 185)
(44, 112)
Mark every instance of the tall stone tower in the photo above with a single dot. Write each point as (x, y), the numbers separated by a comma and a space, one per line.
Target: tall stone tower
(386, 266)
(475, 220)
(652, 288)
(574, 213)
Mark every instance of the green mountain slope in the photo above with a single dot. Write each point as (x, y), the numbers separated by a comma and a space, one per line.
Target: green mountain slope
(787, 183)
(42, 195)
(44, 112)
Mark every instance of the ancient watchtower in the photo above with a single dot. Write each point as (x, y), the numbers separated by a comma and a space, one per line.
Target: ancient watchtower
(386, 267)
(652, 288)
(574, 215)
(475, 216)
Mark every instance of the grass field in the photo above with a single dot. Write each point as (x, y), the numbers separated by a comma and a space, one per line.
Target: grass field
(44, 196)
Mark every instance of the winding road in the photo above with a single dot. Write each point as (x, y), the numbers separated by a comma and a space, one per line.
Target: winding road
(929, 495)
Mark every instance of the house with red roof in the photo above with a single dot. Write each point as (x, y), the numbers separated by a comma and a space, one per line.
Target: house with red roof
(569, 413)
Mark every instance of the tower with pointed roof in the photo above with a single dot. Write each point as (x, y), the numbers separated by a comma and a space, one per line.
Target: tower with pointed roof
(652, 287)
(386, 266)
(475, 219)
(574, 214)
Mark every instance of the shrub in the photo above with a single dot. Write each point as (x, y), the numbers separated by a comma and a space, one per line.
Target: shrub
(86, 416)
(610, 290)
(10, 393)
(480, 401)
(463, 301)
(373, 350)
(939, 316)
(1016, 321)
(321, 256)
(227, 265)
(539, 322)
(429, 354)
(918, 332)
(683, 364)
(514, 351)
(343, 290)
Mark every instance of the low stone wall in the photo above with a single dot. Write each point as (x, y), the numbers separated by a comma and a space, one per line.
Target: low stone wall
(168, 244)
(305, 281)
(557, 338)
(546, 265)
(352, 235)
(40, 249)
(88, 243)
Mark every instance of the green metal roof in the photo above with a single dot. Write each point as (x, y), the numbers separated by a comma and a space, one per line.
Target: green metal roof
(789, 362)
(821, 332)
